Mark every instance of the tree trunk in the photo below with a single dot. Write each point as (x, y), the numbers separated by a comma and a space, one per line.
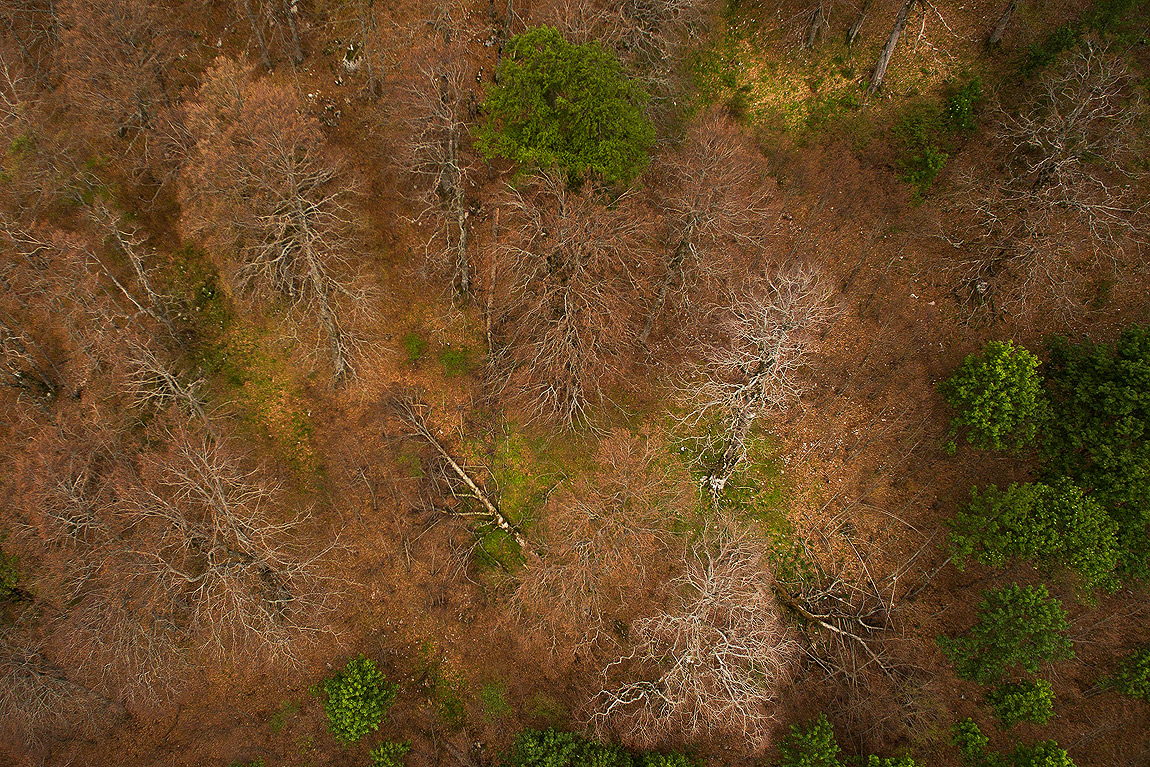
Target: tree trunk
(999, 28)
(853, 32)
(259, 34)
(888, 49)
(290, 9)
(674, 272)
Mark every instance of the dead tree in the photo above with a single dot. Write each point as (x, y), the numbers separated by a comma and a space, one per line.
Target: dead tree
(714, 662)
(460, 479)
(715, 201)
(856, 27)
(573, 264)
(261, 183)
(819, 21)
(120, 56)
(772, 331)
(884, 57)
(1000, 28)
(214, 549)
(603, 547)
(438, 96)
(37, 696)
(1069, 201)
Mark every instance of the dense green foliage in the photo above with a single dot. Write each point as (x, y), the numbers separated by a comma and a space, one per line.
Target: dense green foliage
(357, 699)
(1018, 627)
(960, 106)
(1099, 435)
(815, 746)
(389, 753)
(973, 746)
(970, 741)
(920, 157)
(1029, 701)
(554, 748)
(998, 397)
(810, 746)
(1051, 525)
(559, 105)
(1133, 676)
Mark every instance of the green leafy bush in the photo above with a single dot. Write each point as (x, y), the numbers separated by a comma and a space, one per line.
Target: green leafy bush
(1043, 754)
(970, 741)
(1099, 435)
(918, 135)
(890, 761)
(998, 397)
(1052, 525)
(553, 748)
(1040, 55)
(357, 699)
(565, 106)
(1029, 701)
(1018, 627)
(960, 106)
(415, 346)
(666, 760)
(1133, 676)
(389, 753)
(810, 746)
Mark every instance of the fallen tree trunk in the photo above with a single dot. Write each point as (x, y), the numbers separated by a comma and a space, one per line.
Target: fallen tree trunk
(879, 73)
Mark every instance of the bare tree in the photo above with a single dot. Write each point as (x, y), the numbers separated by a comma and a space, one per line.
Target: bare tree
(211, 547)
(714, 662)
(120, 55)
(1070, 199)
(573, 265)
(37, 696)
(715, 200)
(261, 183)
(772, 331)
(603, 544)
(439, 101)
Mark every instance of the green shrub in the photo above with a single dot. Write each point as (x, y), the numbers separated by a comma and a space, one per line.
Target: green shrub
(970, 742)
(918, 134)
(1052, 525)
(455, 361)
(998, 397)
(960, 106)
(1029, 701)
(1018, 627)
(357, 699)
(565, 106)
(1041, 55)
(1133, 676)
(666, 760)
(810, 746)
(1099, 435)
(493, 695)
(415, 345)
(389, 753)
(553, 748)
(1043, 754)
(890, 761)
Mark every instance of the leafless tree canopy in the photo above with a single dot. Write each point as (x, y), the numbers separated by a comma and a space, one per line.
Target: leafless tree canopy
(1069, 201)
(716, 202)
(604, 542)
(573, 264)
(771, 331)
(260, 183)
(715, 661)
(439, 102)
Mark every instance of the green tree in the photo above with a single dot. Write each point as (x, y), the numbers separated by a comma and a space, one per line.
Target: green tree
(566, 106)
(998, 397)
(389, 753)
(1029, 701)
(810, 746)
(357, 698)
(1018, 627)
(1133, 675)
(1099, 435)
(553, 748)
(1052, 525)
(1043, 754)
(970, 742)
